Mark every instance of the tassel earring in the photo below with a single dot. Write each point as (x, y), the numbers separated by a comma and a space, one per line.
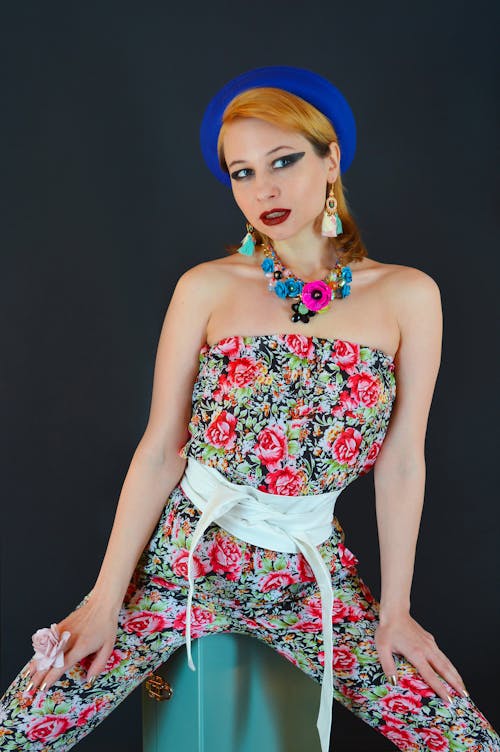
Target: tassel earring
(331, 225)
(247, 247)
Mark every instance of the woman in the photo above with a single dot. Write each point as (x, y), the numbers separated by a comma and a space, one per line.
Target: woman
(288, 382)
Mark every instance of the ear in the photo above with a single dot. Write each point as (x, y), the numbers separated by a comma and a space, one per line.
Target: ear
(333, 162)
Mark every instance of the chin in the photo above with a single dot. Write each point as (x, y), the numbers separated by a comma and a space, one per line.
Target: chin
(279, 232)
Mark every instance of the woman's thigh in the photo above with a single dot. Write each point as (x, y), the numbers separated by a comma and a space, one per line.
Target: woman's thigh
(151, 627)
(410, 714)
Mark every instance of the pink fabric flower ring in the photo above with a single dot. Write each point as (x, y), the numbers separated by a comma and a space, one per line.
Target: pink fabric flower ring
(49, 647)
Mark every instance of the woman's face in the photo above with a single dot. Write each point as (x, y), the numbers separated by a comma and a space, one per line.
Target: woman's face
(278, 180)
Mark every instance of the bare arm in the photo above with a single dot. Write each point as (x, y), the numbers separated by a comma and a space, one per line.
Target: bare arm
(156, 466)
(399, 475)
(155, 469)
(399, 472)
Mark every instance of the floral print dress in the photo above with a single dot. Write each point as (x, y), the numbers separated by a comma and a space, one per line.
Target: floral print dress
(291, 415)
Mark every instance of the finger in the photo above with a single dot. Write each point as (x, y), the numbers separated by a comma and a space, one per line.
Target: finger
(428, 674)
(387, 662)
(42, 681)
(100, 660)
(447, 671)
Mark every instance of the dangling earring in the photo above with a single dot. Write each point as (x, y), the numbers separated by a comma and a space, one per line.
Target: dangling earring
(247, 247)
(331, 225)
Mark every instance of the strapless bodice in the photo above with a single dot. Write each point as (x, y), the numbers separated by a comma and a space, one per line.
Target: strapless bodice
(288, 413)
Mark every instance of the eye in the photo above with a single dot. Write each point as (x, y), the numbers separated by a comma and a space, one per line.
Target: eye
(241, 174)
(288, 160)
(280, 163)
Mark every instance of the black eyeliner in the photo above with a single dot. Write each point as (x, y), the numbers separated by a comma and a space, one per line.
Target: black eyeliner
(291, 157)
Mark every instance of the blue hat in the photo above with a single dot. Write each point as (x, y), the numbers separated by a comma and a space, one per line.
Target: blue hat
(303, 83)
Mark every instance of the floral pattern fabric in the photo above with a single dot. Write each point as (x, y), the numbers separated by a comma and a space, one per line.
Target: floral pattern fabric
(290, 414)
(242, 588)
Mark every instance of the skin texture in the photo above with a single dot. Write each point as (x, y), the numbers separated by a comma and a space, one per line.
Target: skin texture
(392, 307)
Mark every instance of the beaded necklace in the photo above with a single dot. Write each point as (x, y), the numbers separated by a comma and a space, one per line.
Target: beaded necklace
(310, 297)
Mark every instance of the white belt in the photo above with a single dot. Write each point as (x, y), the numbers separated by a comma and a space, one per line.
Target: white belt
(279, 523)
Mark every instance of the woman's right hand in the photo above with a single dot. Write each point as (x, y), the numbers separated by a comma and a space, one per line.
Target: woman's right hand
(93, 629)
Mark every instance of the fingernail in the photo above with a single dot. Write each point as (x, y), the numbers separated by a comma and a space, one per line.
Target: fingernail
(26, 673)
(29, 686)
(450, 701)
(42, 688)
(393, 679)
(465, 693)
(90, 682)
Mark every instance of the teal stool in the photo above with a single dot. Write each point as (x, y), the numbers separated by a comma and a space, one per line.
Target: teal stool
(243, 697)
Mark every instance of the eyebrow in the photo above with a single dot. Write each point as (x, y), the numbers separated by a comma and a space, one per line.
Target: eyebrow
(242, 161)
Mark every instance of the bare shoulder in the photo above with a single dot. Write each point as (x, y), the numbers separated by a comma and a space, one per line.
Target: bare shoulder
(406, 288)
(213, 274)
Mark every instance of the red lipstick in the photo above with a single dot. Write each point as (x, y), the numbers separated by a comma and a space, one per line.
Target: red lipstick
(275, 216)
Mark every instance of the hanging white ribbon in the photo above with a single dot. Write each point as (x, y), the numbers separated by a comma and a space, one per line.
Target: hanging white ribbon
(280, 523)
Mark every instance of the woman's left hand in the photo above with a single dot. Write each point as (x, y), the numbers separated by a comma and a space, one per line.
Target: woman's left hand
(401, 634)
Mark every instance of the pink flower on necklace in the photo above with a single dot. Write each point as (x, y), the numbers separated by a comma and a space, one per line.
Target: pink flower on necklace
(316, 295)
(49, 647)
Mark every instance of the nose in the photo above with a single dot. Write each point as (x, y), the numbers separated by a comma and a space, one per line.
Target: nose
(265, 188)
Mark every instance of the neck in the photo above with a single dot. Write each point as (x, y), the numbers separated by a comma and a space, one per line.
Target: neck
(308, 255)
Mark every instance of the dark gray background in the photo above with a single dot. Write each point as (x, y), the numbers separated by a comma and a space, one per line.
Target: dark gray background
(105, 201)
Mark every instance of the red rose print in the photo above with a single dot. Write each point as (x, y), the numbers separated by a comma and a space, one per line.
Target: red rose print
(242, 372)
(286, 482)
(305, 572)
(250, 622)
(416, 685)
(365, 389)
(340, 611)
(351, 694)
(146, 622)
(401, 703)
(403, 739)
(345, 448)
(225, 557)
(366, 592)
(347, 558)
(223, 388)
(48, 728)
(301, 346)
(164, 583)
(356, 614)
(275, 580)
(346, 354)
(343, 660)
(221, 431)
(86, 662)
(371, 457)
(289, 656)
(180, 565)
(307, 626)
(230, 346)
(373, 452)
(115, 659)
(271, 447)
(201, 618)
(434, 739)
(392, 720)
(90, 711)
(344, 403)
(314, 608)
